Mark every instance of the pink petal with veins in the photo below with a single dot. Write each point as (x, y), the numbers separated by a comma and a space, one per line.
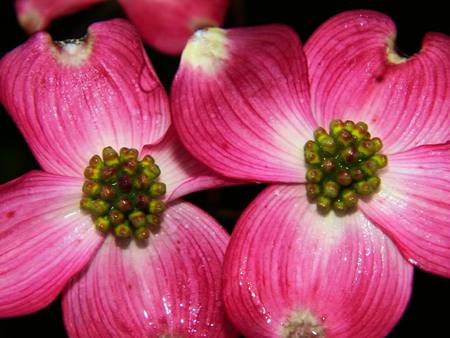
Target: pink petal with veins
(72, 100)
(240, 102)
(44, 240)
(356, 74)
(413, 206)
(168, 24)
(182, 173)
(170, 287)
(289, 271)
(36, 15)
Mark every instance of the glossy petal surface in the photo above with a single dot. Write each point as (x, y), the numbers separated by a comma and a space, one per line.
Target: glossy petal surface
(182, 173)
(285, 260)
(44, 240)
(356, 74)
(413, 206)
(170, 287)
(168, 24)
(35, 15)
(72, 100)
(240, 102)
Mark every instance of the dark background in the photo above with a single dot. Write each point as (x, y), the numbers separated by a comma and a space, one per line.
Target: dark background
(426, 315)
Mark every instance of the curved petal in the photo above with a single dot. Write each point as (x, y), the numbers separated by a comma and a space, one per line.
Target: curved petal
(413, 206)
(44, 240)
(167, 25)
(182, 173)
(356, 74)
(288, 269)
(169, 287)
(240, 102)
(36, 15)
(71, 100)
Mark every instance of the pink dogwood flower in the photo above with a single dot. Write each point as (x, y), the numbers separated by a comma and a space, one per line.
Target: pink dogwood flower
(164, 24)
(333, 257)
(140, 271)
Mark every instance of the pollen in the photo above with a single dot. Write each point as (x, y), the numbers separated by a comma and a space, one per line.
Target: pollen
(206, 49)
(123, 194)
(343, 166)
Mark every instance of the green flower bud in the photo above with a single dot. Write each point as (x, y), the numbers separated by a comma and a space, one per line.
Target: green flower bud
(314, 175)
(123, 230)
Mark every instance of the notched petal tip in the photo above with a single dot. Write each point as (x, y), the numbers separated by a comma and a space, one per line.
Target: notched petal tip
(393, 56)
(302, 324)
(73, 52)
(206, 49)
(31, 20)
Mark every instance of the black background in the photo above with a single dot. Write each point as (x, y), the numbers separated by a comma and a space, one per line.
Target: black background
(426, 315)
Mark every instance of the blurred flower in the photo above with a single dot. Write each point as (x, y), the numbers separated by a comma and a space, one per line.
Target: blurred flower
(246, 102)
(164, 24)
(161, 275)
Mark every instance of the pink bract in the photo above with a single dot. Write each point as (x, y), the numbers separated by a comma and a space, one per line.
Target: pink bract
(164, 24)
(71, 99)
(246, 100)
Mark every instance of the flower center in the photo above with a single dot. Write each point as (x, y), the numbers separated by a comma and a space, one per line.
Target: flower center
(342, 166)
(123, 194)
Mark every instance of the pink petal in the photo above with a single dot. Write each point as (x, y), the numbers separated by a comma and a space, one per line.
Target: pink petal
(286, 261)
(167, 25)
(169, 287)
(241, 104)
(44, 240)
(72, 101)
(413, 206)
(355, 74)
(35, 15)
(181, 173)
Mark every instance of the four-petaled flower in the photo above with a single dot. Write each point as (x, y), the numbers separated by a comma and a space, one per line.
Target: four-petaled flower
(246, 101)
(71, 100)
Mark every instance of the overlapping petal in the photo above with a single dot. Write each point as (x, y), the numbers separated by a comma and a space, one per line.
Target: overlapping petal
(182, 173)
(241, 103)
(167, 25)
(170, 287)
(72, 99)
(413, 206)
(356, 74)
(44, 240)
(340, 275)
(35, 15)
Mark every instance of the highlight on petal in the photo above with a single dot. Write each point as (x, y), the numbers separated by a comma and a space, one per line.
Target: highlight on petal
(182, 173)
(170, 287)
(44, 240)
(356, 74)
(71, 99)
(290, 272)
(35, 15)
(167, 25)
(240, 102)
(413, 206)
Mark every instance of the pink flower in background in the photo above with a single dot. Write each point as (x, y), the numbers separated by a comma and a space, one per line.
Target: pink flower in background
(246, 101)
(72, 99)
(164, 24)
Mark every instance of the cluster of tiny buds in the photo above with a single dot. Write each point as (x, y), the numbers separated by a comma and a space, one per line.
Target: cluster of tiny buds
(123, 193)
(342, 166)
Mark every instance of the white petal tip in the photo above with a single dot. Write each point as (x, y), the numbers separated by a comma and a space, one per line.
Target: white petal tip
(206, 49)
(73, 52)
(302, 324)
